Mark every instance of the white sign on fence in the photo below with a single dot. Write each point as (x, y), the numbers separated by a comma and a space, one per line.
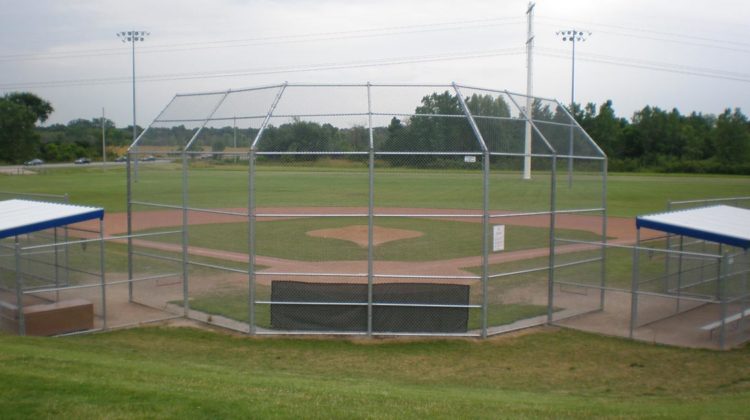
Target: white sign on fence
(498, 238)
(470, 159)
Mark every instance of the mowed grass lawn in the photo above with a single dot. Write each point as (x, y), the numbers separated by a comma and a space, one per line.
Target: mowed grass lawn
(319, 185)
(188, 373)
(181, 372)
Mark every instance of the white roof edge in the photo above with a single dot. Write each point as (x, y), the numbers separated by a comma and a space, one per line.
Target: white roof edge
(719, 223)
(18, 217)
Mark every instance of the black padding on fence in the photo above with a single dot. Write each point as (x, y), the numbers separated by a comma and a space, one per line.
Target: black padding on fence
(331, 312)
(298, 316)
(420, 318)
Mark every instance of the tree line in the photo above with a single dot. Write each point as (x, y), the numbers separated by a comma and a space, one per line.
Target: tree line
(653, 139)
(668, 141)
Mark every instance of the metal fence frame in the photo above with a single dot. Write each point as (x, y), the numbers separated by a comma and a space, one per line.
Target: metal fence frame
(695, 274)
(62, 267)
(371, 154)
(724, 256)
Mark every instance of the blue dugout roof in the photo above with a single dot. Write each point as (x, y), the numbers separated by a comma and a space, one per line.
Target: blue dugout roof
(722, 224)
(18, 217)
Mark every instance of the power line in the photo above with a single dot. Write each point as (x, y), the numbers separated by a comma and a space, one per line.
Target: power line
(653, 31)
(651, 65)
(554, 53)
(641, 34)
(267, 70)
(274, 40)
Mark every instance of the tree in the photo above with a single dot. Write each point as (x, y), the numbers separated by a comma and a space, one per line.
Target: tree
(498, 134)
(732, 138)
(18, 114)
(299, 136)
(488, 106)
(38, 106)
(697, 131)
(217, 146)
(603, 126)
(440, 134)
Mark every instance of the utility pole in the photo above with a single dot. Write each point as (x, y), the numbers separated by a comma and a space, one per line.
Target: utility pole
(529, 89)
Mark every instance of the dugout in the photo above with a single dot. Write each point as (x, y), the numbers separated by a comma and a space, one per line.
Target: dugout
(703, 291)
(50, 285)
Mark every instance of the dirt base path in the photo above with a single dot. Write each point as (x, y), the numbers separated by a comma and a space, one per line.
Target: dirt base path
(620, 230)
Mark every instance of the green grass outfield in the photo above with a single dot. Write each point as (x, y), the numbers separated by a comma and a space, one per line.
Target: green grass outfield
(226, 186)
(186, 373)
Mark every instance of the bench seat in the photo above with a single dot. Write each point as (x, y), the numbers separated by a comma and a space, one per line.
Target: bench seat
(54, 318)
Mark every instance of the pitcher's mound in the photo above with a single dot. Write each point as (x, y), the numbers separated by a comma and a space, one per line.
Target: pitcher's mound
(358, 234)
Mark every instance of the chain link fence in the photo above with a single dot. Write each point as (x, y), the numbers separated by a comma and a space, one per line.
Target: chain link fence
(334, 209)
(665, 288)
(359, 209)
(442, 210)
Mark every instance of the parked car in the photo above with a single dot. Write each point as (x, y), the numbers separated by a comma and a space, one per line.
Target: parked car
(34, 162)
(122, 158)
(149, 158)
(82, 161)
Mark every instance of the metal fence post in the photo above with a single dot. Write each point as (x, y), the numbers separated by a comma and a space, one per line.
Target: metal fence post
(718, 273)
(185, 274)
(722, 280)
(66, 251)
(57, 264)
(370, 214)
(634, 283)
(485, 204)
(102, 267)
(679, 273)
(130, 227)
(251, 211)
(603, 280)
(552, 240)
(486, 238)
(668, 256)
(251, 241)
(19, 290)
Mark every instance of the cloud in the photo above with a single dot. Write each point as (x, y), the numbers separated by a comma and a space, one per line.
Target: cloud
(189, 37)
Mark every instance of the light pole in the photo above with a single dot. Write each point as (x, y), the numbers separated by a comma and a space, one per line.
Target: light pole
(132, 37)
(573, 36)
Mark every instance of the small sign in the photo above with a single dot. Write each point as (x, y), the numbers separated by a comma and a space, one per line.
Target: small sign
(470, 159)
(498, 238)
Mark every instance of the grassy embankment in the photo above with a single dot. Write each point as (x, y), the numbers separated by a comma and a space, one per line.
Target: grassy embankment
(163, 372)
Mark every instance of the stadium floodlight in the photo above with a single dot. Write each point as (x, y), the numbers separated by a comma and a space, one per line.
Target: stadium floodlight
(132, 37)
(573, 36)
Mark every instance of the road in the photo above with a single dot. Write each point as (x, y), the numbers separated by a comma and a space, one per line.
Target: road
(20, 169)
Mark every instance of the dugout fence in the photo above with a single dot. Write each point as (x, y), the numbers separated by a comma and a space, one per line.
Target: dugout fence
(689, 290)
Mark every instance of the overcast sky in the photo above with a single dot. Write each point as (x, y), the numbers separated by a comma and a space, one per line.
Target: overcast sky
(692, 55)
